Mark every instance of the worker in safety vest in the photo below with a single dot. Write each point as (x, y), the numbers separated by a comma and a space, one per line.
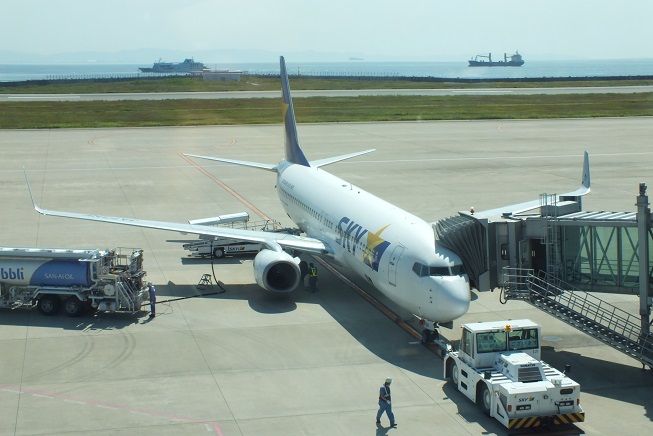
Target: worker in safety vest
(385, 404)
(312, 278)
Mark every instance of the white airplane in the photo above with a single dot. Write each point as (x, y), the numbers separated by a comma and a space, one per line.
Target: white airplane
(391, 249)
(388, 247)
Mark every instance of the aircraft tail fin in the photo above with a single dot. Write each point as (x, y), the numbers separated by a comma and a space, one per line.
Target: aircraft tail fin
(294, 153)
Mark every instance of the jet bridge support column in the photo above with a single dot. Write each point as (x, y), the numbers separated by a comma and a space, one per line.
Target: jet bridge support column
(643, 219)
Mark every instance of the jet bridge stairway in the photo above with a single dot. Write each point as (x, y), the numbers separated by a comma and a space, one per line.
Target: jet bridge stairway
(589, 314)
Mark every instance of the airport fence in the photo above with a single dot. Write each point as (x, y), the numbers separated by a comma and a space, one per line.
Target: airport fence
(97, 78)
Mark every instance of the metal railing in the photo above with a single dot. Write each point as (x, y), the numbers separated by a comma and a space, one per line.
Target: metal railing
(127, 296)
(586, 312)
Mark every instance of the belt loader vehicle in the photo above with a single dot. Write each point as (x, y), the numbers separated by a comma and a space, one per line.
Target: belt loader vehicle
(75, 279)
(220, 247)
(213, 246)
(498, 366)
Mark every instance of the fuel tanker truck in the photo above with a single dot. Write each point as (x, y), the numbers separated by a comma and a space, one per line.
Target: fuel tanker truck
(72, 279)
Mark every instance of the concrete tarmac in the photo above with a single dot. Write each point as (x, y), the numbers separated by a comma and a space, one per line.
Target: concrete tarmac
(245, 362)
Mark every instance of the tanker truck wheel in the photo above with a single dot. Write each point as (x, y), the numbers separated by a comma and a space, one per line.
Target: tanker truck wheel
(49, 305)
(73, 306)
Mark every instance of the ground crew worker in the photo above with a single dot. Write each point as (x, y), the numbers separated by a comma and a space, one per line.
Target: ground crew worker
(152, 293)
(312, 278)
(385, 404)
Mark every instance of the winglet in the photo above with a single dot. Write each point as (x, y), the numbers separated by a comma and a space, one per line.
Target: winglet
(586, 172)
(585, 180)
(29, 188)
(294, 153)
(576, 195)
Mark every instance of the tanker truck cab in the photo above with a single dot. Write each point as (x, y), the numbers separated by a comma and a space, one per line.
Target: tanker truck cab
(498, 367)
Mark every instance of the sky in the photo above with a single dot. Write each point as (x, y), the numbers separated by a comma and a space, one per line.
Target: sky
(399, 29)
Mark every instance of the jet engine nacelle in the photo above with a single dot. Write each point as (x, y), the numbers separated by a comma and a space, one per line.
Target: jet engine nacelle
(276, 271)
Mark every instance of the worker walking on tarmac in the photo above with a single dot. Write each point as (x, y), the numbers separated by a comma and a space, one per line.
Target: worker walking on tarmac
(385, 403)
(312, 278)
(152, 292)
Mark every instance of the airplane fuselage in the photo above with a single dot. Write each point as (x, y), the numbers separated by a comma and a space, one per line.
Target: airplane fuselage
(380, 242)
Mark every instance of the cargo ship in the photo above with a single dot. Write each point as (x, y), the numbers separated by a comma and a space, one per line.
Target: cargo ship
(508, 61)
(188, 66)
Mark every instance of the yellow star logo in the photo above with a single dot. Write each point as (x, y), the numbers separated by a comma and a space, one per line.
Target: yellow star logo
(374, 239)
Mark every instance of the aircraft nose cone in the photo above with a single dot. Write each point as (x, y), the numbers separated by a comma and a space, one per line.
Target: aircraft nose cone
(454, 298)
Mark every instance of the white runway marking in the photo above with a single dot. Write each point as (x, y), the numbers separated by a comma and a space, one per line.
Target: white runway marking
(44, 97)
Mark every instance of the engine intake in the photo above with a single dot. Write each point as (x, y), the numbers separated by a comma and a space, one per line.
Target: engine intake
(276, 271)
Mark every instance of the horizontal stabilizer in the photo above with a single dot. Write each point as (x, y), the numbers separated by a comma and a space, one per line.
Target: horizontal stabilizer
(322, 162)
(262, 166)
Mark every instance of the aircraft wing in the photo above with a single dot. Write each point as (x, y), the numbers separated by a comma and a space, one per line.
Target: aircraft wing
(284, 240)
(272, 240)
(584, 189)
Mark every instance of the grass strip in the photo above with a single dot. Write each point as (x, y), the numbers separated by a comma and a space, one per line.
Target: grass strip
(48, 114)
(269, 83)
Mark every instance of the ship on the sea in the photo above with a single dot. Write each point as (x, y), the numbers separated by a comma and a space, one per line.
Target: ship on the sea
(188, 66)
(479, 61)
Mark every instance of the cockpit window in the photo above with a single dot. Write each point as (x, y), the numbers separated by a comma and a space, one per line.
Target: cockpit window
(417, 268)
(457, 270)
(439, 271)
(435, 271)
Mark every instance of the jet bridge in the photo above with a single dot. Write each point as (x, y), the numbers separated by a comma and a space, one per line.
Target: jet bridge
(557, 245)
(489, 242)
(594, 251)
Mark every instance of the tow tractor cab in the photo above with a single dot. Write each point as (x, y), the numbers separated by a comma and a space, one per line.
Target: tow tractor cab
(498, 366)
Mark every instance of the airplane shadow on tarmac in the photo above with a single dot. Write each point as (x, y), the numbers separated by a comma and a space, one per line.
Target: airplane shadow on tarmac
(377, 333)
(364, 323)
(605, 378)
(470, 412)
(373, 330)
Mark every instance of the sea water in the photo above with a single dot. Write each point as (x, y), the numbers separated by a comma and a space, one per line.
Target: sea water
(531, 69)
